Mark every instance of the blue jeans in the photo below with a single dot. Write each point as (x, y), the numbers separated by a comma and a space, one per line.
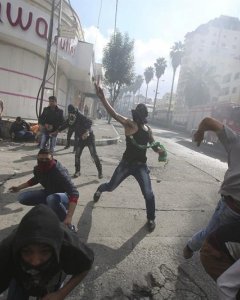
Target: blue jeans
(58, 201)
(45, 137)
(140, 172)
(22, 134)
(223, 215)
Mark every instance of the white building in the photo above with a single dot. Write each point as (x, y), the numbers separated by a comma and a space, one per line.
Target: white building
(24, 28)
(216, 44)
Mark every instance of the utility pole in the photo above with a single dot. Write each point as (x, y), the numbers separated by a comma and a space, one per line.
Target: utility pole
(57, 47)
(47, 56)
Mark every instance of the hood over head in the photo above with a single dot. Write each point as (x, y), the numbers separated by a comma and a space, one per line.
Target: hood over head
(140, 114)
(71, 109)
(39, 225)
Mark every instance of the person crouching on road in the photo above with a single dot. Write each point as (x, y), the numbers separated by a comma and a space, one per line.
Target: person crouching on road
(58, 191)
(36, 257)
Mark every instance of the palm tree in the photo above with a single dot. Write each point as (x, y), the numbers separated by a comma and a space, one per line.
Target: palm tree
(160, 66)
(176, 54)
(148, 74)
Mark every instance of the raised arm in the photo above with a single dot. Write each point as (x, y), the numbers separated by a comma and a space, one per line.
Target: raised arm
(121, 119)
(206, 125)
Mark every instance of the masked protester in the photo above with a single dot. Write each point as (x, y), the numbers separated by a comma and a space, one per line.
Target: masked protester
(134, 158)
(36, 257)
(83, 136)
(58, 191)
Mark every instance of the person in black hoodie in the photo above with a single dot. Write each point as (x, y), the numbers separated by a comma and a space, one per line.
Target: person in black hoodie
(36, 257)
(50, 119)
(59, 192)
(83, 136)
(138, 136)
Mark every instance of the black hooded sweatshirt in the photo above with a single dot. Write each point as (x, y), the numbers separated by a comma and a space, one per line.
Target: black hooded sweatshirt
(41, 225)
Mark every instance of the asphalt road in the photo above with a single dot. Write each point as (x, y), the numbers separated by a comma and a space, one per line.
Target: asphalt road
(129, 262)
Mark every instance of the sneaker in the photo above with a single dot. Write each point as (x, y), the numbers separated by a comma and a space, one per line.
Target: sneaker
(100, 175)
(187, 252)
(77, 174)
(96, 196)
(151, 225)
(66, 147)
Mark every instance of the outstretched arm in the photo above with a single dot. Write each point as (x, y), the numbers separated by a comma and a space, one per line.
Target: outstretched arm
(121, 119)
(207, 124)
(15, 189)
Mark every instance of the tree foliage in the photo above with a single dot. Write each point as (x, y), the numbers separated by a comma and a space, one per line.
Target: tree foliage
(176, 55)
(200, 81)
(148, 75)
(118, 62)
(160, 67)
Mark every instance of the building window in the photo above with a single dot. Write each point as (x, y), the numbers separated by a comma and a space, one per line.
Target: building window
(234, 90)
(225, 91)
(234, 46)
(237, 76)
(227, 78)
(223, 45)
(213, 43)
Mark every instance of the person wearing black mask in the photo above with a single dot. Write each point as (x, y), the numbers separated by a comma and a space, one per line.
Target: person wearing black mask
(59, 192)
(83, 137)
(133, 162)
(36, 257)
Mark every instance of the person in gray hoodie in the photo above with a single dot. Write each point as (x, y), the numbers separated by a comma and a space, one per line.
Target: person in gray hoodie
(36, 257)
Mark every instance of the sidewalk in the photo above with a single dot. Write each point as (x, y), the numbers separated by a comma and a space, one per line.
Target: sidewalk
(105, 134)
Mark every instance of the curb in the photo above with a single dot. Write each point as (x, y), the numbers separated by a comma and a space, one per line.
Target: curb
(61, 141)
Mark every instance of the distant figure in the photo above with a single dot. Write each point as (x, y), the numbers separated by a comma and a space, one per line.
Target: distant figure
(21, 130)
(99, 113)
(36, 257)
(50, 119)
(86, 111)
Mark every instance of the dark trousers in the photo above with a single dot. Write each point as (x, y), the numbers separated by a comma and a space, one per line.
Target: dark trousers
(140, 172)
(90, 143)
(69, 135)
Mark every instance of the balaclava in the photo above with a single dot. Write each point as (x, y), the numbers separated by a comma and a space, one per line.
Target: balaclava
(72, 114)
(140, 114)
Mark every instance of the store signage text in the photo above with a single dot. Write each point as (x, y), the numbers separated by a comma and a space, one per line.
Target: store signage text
(40, 26)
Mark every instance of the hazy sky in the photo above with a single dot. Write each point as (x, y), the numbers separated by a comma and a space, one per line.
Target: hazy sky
(154, 25)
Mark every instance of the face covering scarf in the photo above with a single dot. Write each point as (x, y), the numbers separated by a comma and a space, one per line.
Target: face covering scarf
(45, 166)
